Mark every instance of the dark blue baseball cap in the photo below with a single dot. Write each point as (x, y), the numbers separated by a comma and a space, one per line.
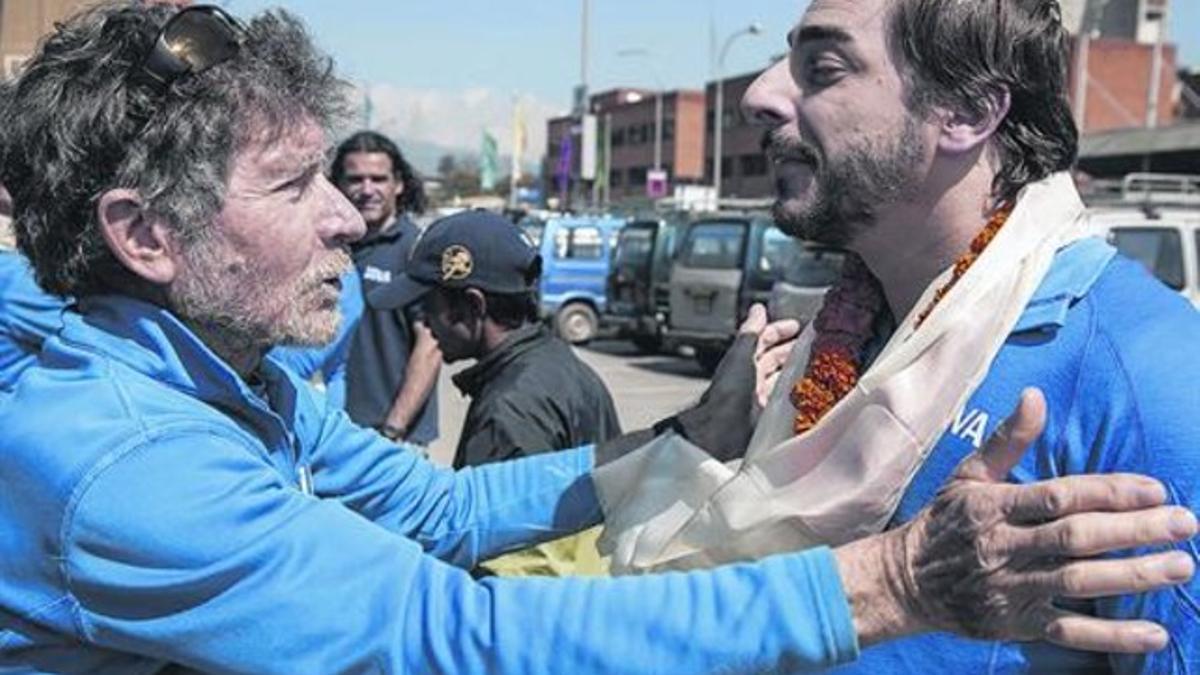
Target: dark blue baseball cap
(471, 249)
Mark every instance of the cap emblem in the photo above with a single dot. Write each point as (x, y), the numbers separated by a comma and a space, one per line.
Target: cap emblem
(457, 263)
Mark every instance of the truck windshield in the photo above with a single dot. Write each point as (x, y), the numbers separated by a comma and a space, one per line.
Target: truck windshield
(634, 246)
(1160, 249)
(797, 262)
(715, 246)
(534, 228)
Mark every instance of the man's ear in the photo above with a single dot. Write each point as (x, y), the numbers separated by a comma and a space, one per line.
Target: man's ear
(143, 244)
(965, 130)
(477, 302)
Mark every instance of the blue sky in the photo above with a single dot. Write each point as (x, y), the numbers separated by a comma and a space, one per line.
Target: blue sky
(443, 70)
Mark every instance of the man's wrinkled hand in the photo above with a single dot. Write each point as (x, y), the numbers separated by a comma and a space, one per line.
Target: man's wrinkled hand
(988, 559)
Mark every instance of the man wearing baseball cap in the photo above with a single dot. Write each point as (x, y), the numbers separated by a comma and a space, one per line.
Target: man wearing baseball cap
(477, 277)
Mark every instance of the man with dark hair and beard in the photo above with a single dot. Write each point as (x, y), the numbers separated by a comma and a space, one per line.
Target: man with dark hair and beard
(172, 500)
(932, 138)
(392, 372)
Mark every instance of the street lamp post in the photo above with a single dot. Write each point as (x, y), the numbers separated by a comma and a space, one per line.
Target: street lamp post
(719, 112)
(658, 101)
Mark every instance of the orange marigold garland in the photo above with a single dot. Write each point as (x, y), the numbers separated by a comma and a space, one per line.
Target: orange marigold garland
(980, 242)
(844, 326)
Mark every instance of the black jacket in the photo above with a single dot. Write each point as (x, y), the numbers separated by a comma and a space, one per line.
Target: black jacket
(531, 395)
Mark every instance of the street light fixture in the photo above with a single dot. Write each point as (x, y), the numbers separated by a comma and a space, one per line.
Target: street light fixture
(658, 100)
(719, 113)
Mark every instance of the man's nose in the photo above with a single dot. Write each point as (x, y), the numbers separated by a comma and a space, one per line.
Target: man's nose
(341, 223)
(771, 99)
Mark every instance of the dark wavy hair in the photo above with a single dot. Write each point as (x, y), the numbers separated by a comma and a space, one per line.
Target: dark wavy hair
(967, 54)
(80, 122)
(412, 199)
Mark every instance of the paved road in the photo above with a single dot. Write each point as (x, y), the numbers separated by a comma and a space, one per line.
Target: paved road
(644, 388)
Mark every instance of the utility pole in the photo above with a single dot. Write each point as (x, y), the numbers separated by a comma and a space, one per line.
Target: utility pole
(719, 113)
(658, 101)
(1156, 66)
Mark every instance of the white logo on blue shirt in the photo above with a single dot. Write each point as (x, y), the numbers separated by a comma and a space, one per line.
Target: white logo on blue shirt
(971, 425)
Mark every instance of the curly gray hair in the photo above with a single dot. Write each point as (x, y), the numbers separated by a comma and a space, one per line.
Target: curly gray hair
(81, 123)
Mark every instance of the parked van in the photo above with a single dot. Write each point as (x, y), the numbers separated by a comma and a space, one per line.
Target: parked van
(1165, 240)
(725, 264)
(576, 251)
(638, 290)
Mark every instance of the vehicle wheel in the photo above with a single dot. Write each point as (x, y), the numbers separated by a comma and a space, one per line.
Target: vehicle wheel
(647, 344)
(708, 358)
(577, 323)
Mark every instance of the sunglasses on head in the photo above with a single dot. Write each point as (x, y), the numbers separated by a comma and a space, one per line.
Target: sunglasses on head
(192, 41)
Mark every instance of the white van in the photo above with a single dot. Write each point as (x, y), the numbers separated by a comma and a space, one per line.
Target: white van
(1155, 219)
(1166, 241)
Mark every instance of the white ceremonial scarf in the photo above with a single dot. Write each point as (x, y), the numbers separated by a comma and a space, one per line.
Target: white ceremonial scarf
(669, 505)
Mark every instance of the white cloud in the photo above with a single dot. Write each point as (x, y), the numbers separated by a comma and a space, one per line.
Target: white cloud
(454, 119)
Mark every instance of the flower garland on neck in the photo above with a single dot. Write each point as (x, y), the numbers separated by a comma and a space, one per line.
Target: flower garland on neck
(844, 326)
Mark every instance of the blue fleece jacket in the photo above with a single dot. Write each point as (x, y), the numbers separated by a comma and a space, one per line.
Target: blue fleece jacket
(27, 315)
(150, 514)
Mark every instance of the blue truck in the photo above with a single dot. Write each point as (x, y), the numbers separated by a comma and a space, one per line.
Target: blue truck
(576, 254)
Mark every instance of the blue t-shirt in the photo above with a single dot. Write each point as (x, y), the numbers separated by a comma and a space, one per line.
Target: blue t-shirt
(1115, 353)
(381, 346)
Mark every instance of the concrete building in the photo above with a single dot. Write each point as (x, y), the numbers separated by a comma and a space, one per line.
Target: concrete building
(1187, 103)
(1137, 20)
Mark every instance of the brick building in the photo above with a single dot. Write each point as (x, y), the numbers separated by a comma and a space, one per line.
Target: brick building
(626, 123)
(1118, 79)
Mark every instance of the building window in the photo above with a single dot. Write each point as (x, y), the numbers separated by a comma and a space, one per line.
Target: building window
(614, 178)
(618, 138)
(637, 176)
(669, 130)
(753, 165)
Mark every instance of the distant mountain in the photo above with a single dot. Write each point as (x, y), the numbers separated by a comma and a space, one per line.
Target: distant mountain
(424, 156)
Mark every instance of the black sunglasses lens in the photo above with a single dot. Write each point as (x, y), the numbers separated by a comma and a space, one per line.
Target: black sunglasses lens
(202, 37)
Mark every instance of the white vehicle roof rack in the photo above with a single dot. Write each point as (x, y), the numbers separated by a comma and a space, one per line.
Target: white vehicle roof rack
(1161, 189)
